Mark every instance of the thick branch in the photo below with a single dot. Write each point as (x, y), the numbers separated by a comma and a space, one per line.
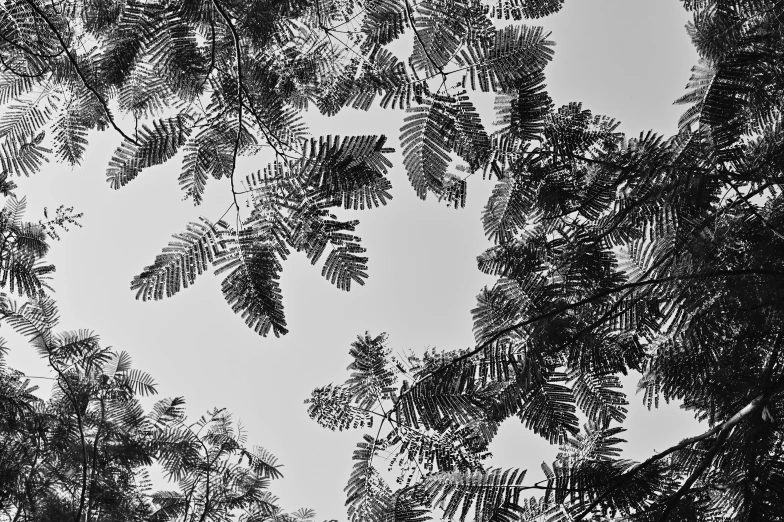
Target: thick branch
(697, 473)
(724, 428)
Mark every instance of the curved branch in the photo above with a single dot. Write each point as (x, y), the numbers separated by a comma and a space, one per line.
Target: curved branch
(19, 73)
(26, 49)
(75, 64)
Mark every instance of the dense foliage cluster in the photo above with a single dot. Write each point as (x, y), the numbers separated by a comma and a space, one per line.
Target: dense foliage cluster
(613, 254)
(209, 81)
(84, 454)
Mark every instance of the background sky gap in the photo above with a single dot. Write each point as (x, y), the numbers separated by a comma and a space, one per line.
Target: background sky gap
(624, 58)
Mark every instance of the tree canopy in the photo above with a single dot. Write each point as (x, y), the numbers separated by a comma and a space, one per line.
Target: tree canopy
(85, 453)
(612, 253)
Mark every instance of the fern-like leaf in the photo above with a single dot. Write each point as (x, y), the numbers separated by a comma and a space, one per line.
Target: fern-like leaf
(524, 9)
(154, 146)
(251, 287)
(515, 53)
(490, 493)
(185, 258)
(427, 137)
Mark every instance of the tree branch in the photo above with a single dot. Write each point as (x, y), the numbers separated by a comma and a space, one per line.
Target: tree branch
(752, 208)
(75, 64)
(237, 50)
(582, 302)
(697, 473)
(724, 427)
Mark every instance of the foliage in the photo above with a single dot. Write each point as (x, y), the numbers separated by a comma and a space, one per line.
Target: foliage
(613, 254)
(213, 80)
(85, 452)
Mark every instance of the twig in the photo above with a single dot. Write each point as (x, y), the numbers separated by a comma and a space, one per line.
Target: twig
(410, 17)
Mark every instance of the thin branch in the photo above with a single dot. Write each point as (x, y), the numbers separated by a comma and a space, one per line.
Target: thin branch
(410, 17)
(267, 131)
(80, 425)
(583, 302)
(238, 51)
(93, 471)
(753, 209)
(75, 64)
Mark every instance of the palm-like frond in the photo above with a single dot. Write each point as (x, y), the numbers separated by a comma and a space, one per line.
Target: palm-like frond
(34, 319)
(334, 408)
(251, 286)
(698, 85)
(491, 494)
(440, 27)
(524, 109)
(385, 76)
(174, 53)
(472, 143)
(371, 376)
(70, 139)
(144, 94)
(23, 157)
(571, 131)
(167, 411)
(13, 86)
(350, 170)
(548, 410)
(506, 211)
(154, 146)
(512, 55)
(427, 137)
(25, 119)
(520, 9)
(24, 274)
(263, 463)
(368, 497)
(599, 398)
(384, 22)
(185, 258)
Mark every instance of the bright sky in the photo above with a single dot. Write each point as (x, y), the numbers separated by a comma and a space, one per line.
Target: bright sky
(624, 58)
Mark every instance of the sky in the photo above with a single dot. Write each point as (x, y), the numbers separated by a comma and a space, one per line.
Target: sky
(628, 59)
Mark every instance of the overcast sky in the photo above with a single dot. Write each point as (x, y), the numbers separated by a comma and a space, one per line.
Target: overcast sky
(624, 58)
